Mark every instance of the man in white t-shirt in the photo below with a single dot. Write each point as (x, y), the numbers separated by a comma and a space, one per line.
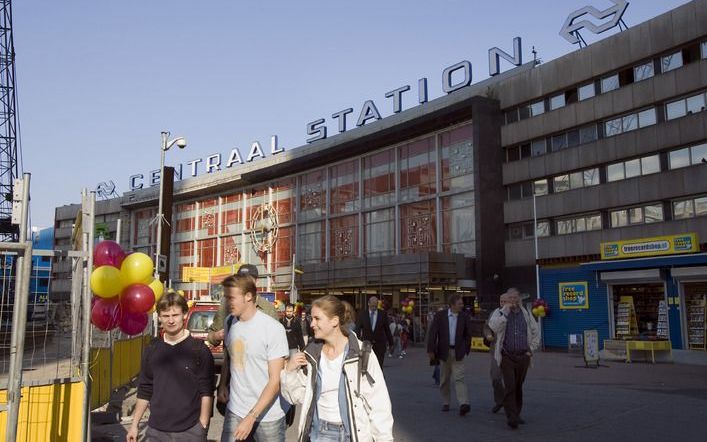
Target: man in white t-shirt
(257, 346)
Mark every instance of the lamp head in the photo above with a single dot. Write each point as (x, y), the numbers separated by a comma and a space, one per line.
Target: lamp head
(181, 143)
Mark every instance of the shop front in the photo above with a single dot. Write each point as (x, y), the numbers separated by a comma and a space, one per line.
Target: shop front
(654, 301)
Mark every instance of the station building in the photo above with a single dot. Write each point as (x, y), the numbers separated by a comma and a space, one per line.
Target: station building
(598, 155)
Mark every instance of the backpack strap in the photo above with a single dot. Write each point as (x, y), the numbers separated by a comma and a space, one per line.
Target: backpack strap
(366, 349)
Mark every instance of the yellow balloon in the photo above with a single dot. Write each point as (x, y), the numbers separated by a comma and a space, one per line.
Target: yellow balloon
(106, 281)
(157, 288)
(136, 269)
(152, 309)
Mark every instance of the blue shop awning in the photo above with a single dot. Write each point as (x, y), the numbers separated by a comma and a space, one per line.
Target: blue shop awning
(643, 263)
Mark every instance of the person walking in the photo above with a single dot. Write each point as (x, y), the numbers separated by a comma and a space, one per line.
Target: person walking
(176, 380)
(495, 371)
(293, 329)
(395, 329)
(517, 336)
(405, 332)
(372, 325)
(257, 348)
(304, 325)
(449, 342)
(341, 388)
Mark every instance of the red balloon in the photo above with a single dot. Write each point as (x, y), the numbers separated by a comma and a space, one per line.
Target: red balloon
(137, 298)
(133, 323)
(105, 314)
(108, 253)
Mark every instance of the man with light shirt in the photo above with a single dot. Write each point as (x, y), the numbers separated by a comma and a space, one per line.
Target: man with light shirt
(257, 348)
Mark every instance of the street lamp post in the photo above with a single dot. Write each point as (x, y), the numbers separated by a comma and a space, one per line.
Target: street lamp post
(181, 143)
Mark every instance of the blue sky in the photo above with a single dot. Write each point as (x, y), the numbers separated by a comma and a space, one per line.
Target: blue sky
(98, 80)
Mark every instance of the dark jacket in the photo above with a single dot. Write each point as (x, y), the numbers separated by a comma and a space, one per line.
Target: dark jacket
(438, 340)
(381, 336)
(295, 338)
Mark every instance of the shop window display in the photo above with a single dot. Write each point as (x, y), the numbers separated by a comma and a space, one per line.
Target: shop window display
(696, 302)
(646, 300)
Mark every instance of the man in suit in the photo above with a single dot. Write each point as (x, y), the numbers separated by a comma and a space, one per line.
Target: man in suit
(449, 342)
(372, 325)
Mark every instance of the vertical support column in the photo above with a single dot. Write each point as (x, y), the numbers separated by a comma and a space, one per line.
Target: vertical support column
(396, 222)
(19, 313)
(89, 227)
(327, 227)
(439, 231)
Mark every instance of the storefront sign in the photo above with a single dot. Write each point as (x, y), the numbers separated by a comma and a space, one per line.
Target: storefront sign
(574, 295)
(208, 274)
(660, 245)
(454, 77)
(211, 163)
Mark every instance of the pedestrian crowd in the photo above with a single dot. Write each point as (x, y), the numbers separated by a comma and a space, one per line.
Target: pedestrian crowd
(320, 363)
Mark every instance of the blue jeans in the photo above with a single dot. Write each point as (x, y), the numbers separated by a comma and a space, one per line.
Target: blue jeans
(328, 432)
(262, 431)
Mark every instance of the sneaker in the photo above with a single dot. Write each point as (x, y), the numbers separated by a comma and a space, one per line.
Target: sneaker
(464, 409)
(400, 357)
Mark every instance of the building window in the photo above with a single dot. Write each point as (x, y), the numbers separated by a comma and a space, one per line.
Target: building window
(559, 142)
(643, 71)
(646, 117)
(609, 83)
(679, 158)
(418, 169)
(231, 214)
(519, 191)
(636, 215)
(379, 179)
(629, 122)
(703, 48)
(311, 242)
(379, 232)
(458, 226)
(695, 104)
(312, 200)
(561, 183)
(612, 127)
(418, 227)
(633, 168)
(537, 108)
(512, 116)
(457, 154)
(557, 101)
(343, 187)
(576, 180)
(543, 229)
(343, 237)
(587, 134)
(540, 187)
(690, 208)
(538, 147)
(591, 177)
(683, 209)
(670, 62)
(684, 106)
(525, 230)
(578, 224)
(586, 91)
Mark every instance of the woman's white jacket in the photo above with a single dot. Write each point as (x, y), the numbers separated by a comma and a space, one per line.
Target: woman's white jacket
(367, 403)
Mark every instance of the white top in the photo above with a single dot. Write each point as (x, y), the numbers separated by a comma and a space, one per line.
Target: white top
(330, 372)
(251, 344)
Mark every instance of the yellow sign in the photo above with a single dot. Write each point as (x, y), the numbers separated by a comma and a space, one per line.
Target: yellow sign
(659, 245)
(206, 274)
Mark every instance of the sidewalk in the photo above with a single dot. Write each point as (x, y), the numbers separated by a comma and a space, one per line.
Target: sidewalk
(563, 401)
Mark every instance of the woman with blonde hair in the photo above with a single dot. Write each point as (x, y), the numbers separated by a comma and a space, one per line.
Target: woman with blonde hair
(340, 387)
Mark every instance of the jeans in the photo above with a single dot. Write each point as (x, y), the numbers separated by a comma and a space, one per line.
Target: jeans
(272, 431)
(196, 433)
(329, 432)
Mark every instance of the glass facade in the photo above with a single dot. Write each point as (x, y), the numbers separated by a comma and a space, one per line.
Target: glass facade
(408, 198)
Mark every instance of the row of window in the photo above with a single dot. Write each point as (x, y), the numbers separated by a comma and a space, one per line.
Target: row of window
(685, 106)
(684, 208)
(607, 83)
(646, 165)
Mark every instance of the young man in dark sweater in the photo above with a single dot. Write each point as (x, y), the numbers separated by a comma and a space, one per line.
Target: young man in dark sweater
(176, 380)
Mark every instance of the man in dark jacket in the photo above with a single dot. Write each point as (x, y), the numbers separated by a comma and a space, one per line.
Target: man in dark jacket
(449, 342)
(293, 328)
(372, 325)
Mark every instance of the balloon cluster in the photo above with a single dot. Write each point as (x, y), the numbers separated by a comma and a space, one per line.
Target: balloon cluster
(299, 307)
(123, 288)
(279, 305)
(407, 306)
(540, 308)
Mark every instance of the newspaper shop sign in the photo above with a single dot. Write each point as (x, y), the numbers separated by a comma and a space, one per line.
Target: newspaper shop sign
(659, 245)
(574, 295)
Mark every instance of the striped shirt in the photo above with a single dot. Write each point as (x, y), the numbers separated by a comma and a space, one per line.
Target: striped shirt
(516, 339)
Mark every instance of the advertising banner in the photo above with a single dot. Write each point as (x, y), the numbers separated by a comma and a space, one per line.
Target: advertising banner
(659, 245)
(574, 295)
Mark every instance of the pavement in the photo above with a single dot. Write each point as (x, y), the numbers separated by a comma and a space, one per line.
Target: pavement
(562, 401)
